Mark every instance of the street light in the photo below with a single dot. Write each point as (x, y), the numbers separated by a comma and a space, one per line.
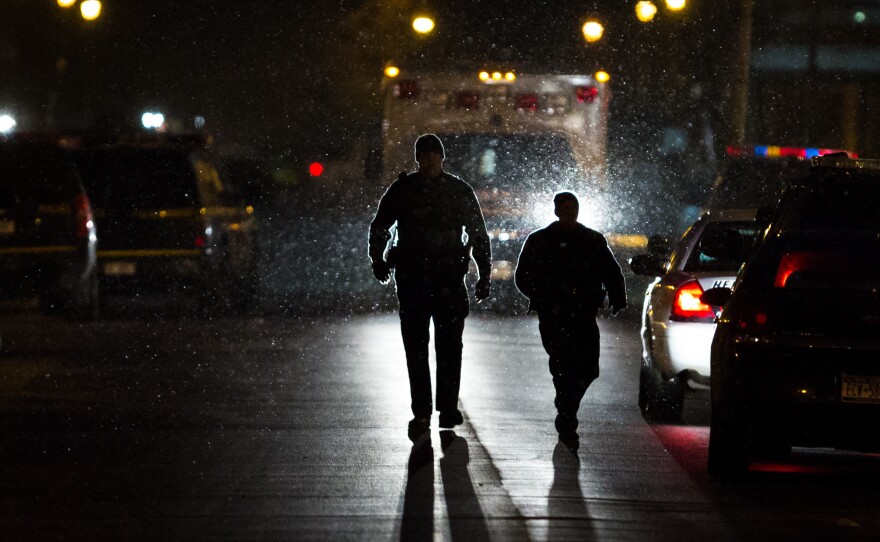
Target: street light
(645, 11)
(675, 5)
(392, 71)
(423, 25)
(593, 31)
(66, 3)
(152, 121)
(90, 9)
(602, 76)
(7, 124)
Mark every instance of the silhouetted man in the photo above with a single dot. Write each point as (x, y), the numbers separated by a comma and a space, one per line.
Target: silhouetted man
(439, 228)
(565, 270)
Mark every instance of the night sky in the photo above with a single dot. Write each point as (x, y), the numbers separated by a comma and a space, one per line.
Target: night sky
(272, 75)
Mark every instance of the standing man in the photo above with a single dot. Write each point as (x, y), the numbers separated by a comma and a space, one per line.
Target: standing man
(565, 270)
(439, 228)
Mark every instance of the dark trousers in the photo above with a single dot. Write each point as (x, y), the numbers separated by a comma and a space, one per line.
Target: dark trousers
(443, 298)
(572, 342)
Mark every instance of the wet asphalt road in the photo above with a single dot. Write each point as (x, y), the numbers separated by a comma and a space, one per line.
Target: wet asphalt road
(294, 428)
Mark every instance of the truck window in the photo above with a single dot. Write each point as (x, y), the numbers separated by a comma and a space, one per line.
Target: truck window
(510, 161)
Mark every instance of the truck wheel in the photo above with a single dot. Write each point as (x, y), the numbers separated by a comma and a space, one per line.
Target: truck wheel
(659, 400)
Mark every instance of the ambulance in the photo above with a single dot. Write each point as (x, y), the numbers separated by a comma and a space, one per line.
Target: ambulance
(516, 138)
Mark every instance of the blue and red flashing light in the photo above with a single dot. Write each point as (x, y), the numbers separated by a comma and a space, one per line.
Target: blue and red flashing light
(772, 151)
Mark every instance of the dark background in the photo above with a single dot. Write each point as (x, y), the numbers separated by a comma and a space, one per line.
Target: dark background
(300, 79)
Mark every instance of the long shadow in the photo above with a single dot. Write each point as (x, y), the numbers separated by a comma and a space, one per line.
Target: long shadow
(418, 502)
(466, 518)
(567, 514)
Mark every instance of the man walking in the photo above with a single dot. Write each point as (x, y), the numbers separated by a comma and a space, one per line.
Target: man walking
(439, 229)
(565, 270)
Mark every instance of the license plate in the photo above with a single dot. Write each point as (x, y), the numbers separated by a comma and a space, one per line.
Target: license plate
(860, 389)
(7, 226)
(119, 269)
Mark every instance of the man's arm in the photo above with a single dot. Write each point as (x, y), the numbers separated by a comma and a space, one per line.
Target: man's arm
(525, 275)
(380, 233)
(612, 278)
(478, 238)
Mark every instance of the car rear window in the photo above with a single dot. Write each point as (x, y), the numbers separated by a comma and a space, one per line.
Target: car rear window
(740, 235)
(827, 260)
(755, 182)
(835, 204)
(138, 178)
(35, 175)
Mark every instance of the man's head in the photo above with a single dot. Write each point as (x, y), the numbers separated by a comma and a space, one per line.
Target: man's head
(566, 207)
(428, 143)
(430, 154)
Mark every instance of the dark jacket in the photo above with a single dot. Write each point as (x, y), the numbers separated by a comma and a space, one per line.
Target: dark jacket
(433, 218)
(569, 270)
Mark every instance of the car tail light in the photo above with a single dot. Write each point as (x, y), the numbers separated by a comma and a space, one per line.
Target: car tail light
(686, 306)
(526, 102)
(753, 319)
(586, 94)
(84, 216)
(200, 241)
(406, 89)
(467, 99)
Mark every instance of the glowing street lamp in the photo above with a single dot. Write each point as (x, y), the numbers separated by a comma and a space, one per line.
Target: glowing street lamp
(392, 71)
(602, 76)
(593, 31)
(152, 120)
(90, 9)
(675, 5)
(645, 11)
(66, 3)
(423, 25)
(7, 124)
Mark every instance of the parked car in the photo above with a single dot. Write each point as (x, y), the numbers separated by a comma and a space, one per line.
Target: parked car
(755, 176)
(47, 233)
(677, 328)
(168, 223)
(796, 354)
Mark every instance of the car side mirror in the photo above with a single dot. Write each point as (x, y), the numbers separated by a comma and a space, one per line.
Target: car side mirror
(717, 297)
(647, 264)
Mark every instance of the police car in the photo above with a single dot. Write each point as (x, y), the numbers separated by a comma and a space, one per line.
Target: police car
(677, 328)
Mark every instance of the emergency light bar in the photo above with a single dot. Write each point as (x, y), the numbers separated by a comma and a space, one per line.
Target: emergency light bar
(771, 151)
(496, 77)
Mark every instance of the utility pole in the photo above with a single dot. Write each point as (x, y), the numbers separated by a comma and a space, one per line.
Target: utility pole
(739, 100)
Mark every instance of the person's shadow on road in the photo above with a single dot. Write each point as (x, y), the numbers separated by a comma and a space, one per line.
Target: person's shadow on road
(466, 518)
(418, 501)
(568, 517)
(465, 515)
